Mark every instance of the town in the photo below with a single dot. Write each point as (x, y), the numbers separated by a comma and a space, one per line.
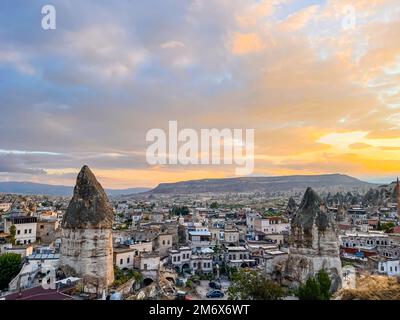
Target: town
(197, 246)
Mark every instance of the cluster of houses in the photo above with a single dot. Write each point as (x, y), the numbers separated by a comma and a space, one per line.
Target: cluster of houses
(147, 236)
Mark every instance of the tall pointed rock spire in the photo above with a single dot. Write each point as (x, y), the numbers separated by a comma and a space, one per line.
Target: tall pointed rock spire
(89, 206)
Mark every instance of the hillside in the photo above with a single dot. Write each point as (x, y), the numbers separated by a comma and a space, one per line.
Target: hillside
(263, 184)
(29, 188)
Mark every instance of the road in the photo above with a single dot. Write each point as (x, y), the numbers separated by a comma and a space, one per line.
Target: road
(203, 288)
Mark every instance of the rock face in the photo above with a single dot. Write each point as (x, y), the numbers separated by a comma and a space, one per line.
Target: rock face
(342, 215)
(86, 242)
(291, 207)
(314, 244)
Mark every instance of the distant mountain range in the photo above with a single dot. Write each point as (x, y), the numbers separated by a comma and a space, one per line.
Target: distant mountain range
(263, 184)
(327, 182)
(29, 188)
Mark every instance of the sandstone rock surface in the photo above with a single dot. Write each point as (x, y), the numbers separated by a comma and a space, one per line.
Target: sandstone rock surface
(314, 244)
(86, 242)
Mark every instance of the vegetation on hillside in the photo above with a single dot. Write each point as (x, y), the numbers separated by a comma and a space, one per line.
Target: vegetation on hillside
(253, 285)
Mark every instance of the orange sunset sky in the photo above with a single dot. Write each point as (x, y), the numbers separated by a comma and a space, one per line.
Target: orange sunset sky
(318, 81)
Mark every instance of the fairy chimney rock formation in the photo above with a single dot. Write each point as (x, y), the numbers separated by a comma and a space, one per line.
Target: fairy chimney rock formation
(314, 244)
(86, 242)
(291, 207)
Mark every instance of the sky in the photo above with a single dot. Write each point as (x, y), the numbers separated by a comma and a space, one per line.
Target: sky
(318, 81)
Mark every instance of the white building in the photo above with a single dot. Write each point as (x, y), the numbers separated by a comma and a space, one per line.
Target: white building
(149, 262)
(22, 250)
(199, 238)
(238, 257)
(124, 257)
(37, 263)
(231, 236)
(180, 258)
(4, 247)
(383, 265)
(271, 225)
(202, 263)
(25, 229)
(250, 220)
(352, 240)
(142, 246)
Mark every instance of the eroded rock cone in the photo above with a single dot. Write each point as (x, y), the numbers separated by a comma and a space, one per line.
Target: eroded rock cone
(312, 210)
(89, 206)
(291, 207)
(86, 238)
(314, 244)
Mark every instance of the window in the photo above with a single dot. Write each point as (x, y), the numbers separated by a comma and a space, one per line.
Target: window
(29, 241)
(391, 269)
(30, 230)
(18, 231)
(121, 261)
(128, 260)
(26, 231)
(41, 226)
(145, 266)
(174, 259)
(163, 242)
(382, 268)
(169, 242)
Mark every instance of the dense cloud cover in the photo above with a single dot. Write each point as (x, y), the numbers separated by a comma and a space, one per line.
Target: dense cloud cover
(322, 98)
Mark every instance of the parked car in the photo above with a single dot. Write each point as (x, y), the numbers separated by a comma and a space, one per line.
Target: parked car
(182, 295)
(215, 294)
(215, 285)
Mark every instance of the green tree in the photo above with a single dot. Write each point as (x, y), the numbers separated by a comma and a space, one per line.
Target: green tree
(387, 227)
(253, 285)
(180, 210)
(316, 288)
(13, 232)
(122, 277)
(324, 284)
(10, 265)
(214, 205)
(310, 291)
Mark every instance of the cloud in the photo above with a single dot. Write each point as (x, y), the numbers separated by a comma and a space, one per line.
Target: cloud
(13, 164)
(359, 146)
(245, 43)
(17, 60)
(172, 45)
(91, 89)
(299, 19)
